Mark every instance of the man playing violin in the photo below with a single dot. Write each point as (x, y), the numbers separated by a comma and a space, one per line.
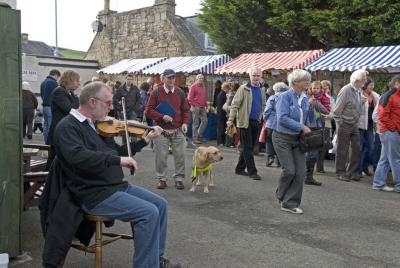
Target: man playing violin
(176, 124)
(91, 168)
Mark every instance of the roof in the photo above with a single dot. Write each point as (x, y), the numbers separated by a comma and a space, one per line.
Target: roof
(349, 59)
(38, 48)
(190, 64)
(131, 65)
(269, 61)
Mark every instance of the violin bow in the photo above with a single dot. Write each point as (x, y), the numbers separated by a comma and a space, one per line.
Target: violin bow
(126, 130)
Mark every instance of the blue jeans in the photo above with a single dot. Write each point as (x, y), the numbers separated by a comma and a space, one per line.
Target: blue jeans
(47, 122)
(366, 149)
(147, 214)
(390, 159)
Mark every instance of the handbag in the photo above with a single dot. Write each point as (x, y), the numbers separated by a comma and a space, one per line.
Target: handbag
(315, 140)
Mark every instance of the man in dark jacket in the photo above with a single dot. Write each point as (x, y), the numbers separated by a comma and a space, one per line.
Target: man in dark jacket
(91, 167)
(131, 93)
(46, 89)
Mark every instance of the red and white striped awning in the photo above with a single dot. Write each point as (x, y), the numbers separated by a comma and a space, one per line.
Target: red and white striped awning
(270, 61)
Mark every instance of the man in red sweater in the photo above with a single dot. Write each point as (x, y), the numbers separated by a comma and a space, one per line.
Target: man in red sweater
(176, 123)
(389, 117)
(198, 104)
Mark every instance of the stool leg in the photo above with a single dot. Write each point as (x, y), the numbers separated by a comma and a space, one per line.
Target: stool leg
(98, 239)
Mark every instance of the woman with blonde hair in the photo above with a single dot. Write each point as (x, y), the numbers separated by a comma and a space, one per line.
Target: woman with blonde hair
(62, 101)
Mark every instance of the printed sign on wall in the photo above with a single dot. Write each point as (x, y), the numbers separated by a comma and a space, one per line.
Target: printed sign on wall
(29, 75)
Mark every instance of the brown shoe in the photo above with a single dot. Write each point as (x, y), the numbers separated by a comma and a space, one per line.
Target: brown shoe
(179, 185)
(162, 185)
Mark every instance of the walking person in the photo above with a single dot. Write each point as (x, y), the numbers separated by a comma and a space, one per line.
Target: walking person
(29, 104)
(291, 114)
(46, 89)
(168, 107)
(347, 115)
(389, 118)
(247, 107)
(198, 104)
(270, 119)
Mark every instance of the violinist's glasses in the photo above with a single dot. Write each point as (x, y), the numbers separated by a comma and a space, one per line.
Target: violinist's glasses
(108, 103)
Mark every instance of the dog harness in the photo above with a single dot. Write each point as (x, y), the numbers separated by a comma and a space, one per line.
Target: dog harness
(195, 170)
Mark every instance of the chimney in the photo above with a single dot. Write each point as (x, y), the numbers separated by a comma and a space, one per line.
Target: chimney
(24, 38)
(165, 7)
(106, 6)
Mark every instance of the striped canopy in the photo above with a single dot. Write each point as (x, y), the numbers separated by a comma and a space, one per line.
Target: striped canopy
(190, 64)
(269, 61)
(131, 65)
(382, 58)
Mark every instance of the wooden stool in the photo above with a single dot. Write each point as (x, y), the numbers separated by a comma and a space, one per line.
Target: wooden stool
(96, 248)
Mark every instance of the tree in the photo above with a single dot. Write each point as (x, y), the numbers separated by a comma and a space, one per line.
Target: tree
(338, 23)
(239, 26)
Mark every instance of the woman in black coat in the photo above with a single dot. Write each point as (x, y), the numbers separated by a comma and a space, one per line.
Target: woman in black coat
(63, 100)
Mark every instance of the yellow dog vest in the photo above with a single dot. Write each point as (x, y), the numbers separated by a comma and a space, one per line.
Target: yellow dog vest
(195, 170)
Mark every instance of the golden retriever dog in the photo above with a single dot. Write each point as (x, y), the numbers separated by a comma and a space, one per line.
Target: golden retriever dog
(203, 160)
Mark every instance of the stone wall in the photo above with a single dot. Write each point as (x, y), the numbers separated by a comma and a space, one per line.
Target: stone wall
(143, 33)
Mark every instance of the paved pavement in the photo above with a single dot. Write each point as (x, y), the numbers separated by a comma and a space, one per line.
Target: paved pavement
(239, 223)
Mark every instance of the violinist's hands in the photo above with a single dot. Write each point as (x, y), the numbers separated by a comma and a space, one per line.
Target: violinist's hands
(167, 119)
(184, 128)
(154, 133)
(128, 162)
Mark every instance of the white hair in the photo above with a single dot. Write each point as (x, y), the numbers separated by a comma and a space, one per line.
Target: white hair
(253, 70)
(95, 79)
(298, 75)
(358, 75)
(26, 86)
(280, 87)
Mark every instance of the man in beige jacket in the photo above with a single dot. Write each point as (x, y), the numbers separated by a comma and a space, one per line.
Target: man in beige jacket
(247, 107)
(347, 114)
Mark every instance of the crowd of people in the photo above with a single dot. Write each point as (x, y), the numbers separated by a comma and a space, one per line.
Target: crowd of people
(89, 166)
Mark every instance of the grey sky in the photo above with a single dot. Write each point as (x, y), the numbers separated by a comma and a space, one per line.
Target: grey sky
(75, 18)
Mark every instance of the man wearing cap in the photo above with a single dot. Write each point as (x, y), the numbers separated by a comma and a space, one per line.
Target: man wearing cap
(166, 94)
(198, 104)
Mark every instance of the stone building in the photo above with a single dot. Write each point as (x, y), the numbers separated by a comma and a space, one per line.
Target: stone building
(148, 32)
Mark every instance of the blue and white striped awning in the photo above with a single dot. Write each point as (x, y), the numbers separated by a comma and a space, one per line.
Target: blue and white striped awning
(131, 65)
(190, 64)
(380, 59)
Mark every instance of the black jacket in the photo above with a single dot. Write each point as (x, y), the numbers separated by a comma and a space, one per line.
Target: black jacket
(221, 99)
(79, 176)
(61, 104)
(46, 89)
(132, 99)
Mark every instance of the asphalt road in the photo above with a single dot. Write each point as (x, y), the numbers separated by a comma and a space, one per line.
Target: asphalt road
(239, 223)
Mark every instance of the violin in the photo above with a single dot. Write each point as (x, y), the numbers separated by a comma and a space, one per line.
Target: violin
(112, 127)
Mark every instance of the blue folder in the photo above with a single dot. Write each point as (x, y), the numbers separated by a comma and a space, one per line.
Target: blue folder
(165, 108)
